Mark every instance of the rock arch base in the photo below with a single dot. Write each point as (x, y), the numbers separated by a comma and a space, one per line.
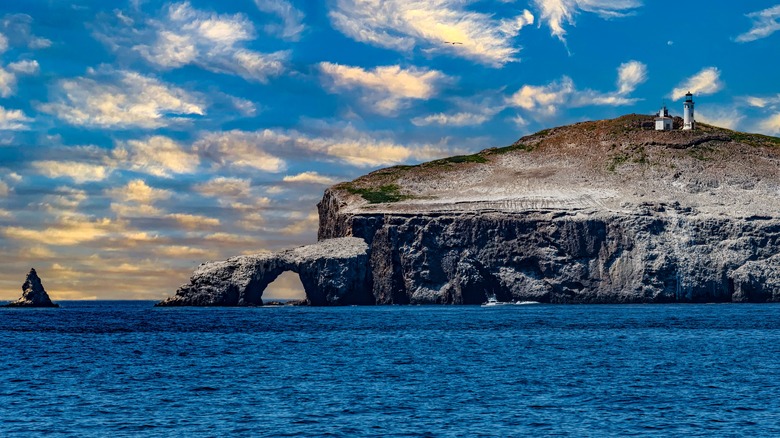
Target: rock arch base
(333, 272)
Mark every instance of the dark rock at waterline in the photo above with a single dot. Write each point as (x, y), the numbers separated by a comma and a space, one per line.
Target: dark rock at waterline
(33, 293)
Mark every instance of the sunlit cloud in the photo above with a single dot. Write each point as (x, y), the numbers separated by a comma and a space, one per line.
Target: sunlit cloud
(222, 187)
(705, 82)
(157, 155)
(384, 89)
(79, 172)
(25, 67)
(140, 192)
(310, 177)
(432, 26)
(238, 149)
(67, 231)
(193, 221)
(765, 23)
(121, 99)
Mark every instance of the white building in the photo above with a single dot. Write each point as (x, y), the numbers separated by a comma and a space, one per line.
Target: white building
(689, 123)
(663, 122)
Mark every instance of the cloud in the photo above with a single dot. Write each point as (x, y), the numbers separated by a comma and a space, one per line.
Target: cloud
(765, 23)
(69, 230)
(384, 89)
(4, 189)
(121, 99)
(308, 224)
(77, 171)
(292, 19)
(703, 83)
(13, 120)
(456, 119)
(193, 221)
(546, 100)
(214, 42)
(3, 43)
(557, 13)
(157, 155)
(140, 192)
(770, 125)
(402, 25)
(725, 117)
(310, 177)
(630, 75)
(25, 67)
(237, 149)
(64, 199)
(222, 187)
(17, 29)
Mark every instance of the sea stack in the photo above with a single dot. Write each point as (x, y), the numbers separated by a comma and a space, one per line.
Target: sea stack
(33, 293)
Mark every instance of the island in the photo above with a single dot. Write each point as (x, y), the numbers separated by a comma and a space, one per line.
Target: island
(610, 211)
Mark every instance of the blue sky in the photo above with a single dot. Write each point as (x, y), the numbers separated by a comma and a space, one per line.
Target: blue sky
(140, 138)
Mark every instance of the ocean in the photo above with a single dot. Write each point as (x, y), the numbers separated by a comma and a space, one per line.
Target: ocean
(128, 369)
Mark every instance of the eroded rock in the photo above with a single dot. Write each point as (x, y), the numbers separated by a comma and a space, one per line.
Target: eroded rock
(33, 293)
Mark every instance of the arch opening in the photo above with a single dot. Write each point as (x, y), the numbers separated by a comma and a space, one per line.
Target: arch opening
(285, 287)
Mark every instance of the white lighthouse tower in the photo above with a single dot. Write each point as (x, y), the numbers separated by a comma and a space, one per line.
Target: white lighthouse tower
(689, 123)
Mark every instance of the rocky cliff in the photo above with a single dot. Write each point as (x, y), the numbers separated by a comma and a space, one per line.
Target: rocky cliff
(597, 212)
(33, 293)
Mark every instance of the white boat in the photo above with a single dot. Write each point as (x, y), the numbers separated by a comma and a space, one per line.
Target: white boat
(493, 301)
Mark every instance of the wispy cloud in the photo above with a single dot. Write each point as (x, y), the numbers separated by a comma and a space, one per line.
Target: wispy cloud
(432, 26)
(291, 27)
(384, 89)
(765, 23)
(703, 83)
(17, 29)
(79, 172)
(310, 177)
(121, 99)
(157, 155)
(557, 13)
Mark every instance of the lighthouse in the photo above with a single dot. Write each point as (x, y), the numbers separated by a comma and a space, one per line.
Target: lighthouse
(689, 124)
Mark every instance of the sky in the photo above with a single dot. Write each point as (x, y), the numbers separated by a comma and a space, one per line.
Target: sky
(140, 138)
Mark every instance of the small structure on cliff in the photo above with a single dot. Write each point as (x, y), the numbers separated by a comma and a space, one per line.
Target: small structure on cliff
(33, 293)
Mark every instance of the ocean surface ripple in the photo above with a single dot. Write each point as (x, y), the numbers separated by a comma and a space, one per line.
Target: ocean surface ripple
(127, 369)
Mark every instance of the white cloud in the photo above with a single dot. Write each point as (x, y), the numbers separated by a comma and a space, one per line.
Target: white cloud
(13, 120)
(121, 99)
(157, 155)
(224, 187)
(214, 42)
(77, 171)
(140, 192)
(17, 29)
(25, 67)
(765, 23)
(64, 198)
(310, 177)
(403, 25)
(454, 119)
(703, 83)
(557, 13)
(292, 19)
(770, 125)
(384, 89)
(546, 100)
(725, 117)
(630, 75)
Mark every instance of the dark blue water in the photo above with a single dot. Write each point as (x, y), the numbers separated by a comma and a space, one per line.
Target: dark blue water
(127, 369)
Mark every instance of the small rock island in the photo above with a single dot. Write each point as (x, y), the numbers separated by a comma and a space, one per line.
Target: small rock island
(610, 211)
(33, 293)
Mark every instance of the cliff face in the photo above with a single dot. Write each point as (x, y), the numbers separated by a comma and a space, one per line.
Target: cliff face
(599, 212)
